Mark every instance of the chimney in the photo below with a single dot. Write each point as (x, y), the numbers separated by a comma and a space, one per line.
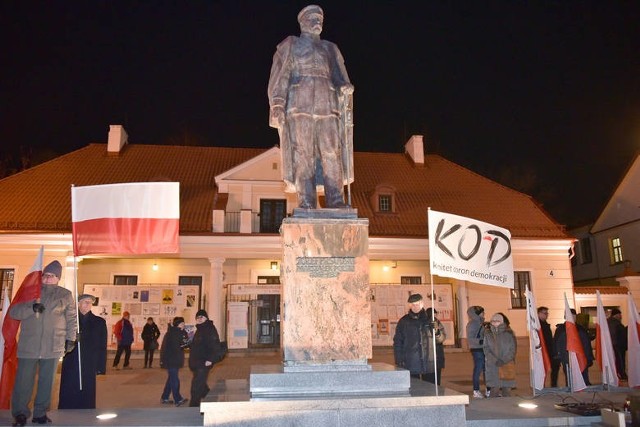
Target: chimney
(117, 139)
(415, 148)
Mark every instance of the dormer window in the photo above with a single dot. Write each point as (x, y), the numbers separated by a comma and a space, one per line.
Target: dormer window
(383, 199)
(384, 202)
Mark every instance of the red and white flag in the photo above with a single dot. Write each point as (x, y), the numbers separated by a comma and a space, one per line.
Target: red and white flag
(540, 358)
(577, 358)
(129, 218)
(633, 340)
(29, 291)
(604, 347)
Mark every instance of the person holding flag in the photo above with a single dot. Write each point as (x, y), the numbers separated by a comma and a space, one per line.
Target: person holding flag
(48, 327)
(574, 341)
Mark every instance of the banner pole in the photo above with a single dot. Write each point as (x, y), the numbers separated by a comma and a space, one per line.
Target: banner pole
(531, 345)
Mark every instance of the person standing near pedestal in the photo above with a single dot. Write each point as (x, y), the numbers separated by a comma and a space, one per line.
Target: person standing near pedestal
(47, 331)
(124, 334)
(172, 359)
(618, 334)
(203, 354)
(308, 86)
(150, 335)
(92, 348)
(413, 342)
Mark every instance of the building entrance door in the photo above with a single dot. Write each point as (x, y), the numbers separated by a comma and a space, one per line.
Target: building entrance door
(266, 315)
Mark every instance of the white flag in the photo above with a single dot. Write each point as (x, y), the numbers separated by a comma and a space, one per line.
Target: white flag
(471, 250)
(604, 347)
(633, 340)
(535, 341)
(577, 359)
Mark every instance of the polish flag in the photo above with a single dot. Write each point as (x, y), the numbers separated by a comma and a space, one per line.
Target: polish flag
(130, 218)
(633, 340)
(29, 291)
(604, 347)
(540, 358)
(577, 358)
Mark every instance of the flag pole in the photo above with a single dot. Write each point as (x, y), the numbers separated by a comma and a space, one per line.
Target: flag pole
(75, 287)
(531, 344)
(433, 316)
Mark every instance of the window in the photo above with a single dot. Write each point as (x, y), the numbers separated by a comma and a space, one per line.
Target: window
(122, 280)
(384, 203)
(410, 280)
(615, 249)
(272, 212)
(521, 279)
(6, 281)
(585, 251)
(190, 280)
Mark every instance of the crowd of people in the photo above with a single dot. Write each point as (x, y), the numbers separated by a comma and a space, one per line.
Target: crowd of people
(54, 326)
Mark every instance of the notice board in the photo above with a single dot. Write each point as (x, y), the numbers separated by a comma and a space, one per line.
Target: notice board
(162, 302)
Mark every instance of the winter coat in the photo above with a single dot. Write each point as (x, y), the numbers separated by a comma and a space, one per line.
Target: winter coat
(475, 330)
(150, 333)
(618, 334)
(172, 348)
(560, 341)
(548, 338)
(205, 345)
(93, 350)
(43, 336)
(124, 332)
(413, 343)
(499, 348)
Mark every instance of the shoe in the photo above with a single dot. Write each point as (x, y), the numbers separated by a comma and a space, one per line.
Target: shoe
(19, 420)
(182, 401)
(41, 420)
(127, 367)
(478, 394)
(487, 393)
(116, 367)
(166, 401)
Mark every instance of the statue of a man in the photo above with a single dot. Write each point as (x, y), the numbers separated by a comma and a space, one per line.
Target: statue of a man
(309, 91)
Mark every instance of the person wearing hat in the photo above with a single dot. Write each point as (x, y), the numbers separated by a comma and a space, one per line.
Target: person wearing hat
(475, 340)
(172, 359)
(413, 342)
(205, 352)
(150, 335)
(47, 331)
(619, 340)
(123, 330)
(500, 356)
(308, 81)
(92, 348)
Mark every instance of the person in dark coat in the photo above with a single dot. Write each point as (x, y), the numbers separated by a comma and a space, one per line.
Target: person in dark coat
(547, 335)
(475, 338)
(92, 347)
(172, 359)
(204, 353)
(150, 335)
(123, 330)
(560, 341)
(618, 334)
(413, 342)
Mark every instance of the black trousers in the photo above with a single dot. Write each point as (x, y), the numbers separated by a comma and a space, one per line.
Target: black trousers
(199, 388)
(127, 355)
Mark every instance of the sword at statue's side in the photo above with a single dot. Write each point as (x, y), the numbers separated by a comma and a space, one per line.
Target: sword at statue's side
(347, 122)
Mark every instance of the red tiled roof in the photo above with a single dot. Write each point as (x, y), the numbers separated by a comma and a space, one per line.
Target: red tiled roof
(42, 194)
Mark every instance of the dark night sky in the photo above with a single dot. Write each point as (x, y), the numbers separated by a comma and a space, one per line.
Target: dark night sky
(543, 96)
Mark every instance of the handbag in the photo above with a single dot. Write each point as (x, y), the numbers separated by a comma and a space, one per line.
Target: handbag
(154, 345)
(507, 371)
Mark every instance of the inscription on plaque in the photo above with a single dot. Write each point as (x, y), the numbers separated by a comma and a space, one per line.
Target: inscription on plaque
(325, 266)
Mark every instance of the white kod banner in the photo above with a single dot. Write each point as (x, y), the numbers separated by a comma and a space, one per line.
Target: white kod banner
(466, 249)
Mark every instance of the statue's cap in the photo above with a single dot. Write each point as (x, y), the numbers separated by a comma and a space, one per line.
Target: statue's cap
(312, 8)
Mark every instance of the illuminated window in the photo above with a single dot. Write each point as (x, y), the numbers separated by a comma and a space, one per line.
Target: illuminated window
(615, 249)
(410, 280)
(521, 279)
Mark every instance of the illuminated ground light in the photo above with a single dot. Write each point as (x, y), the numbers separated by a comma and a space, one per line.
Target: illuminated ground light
(527, 405)
(107, 416)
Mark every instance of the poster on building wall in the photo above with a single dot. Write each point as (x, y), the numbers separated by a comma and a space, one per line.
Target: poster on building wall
(389, 304)
(163, 303)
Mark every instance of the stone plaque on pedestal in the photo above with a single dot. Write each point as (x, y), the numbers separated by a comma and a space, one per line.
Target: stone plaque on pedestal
(325, 294)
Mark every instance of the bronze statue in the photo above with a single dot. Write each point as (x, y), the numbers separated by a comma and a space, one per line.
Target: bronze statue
(310, 105)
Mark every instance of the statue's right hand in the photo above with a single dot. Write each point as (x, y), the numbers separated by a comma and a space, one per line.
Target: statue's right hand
(277, 117)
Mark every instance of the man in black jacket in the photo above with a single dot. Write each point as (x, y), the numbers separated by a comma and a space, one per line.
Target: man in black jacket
(204, 353)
